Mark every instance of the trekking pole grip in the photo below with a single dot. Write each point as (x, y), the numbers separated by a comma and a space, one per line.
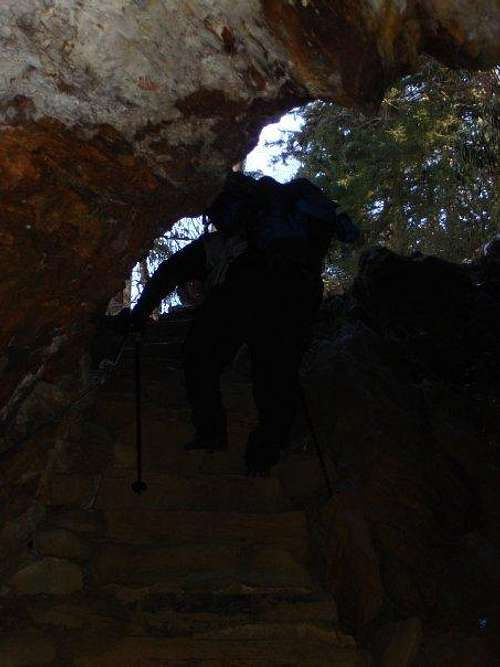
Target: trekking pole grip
(138, 486)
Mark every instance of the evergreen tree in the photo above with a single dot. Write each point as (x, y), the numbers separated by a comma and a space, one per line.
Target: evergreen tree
(422, 175)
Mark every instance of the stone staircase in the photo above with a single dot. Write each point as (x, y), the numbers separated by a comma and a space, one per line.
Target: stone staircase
(208, 567)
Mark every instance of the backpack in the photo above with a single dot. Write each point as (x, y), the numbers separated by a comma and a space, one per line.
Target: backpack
(294, 220)
(321, 212)
(231, 209)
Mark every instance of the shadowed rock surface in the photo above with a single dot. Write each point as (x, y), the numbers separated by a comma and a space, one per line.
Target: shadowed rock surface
(211, 565)
(405, 394)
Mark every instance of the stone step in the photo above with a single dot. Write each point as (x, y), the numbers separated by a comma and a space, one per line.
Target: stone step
(167, 491)
(157, 351)
(171, 622)
(116, 411)
(168, 410)
(303, 645)
(88, 615)
(199, 567)
(166, 386)
(164, 389)
(120, 611)
(277, 631)
(160, 386)
(287, 530)
(88, 524)
(163, 450)
(204, 493)
(180, 618)
(232, 599)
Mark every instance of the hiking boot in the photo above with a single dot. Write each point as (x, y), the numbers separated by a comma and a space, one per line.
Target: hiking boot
(208, 444)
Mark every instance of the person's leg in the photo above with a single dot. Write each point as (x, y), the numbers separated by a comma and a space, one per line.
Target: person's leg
(275, 364)
(277, 345)
(209, 347)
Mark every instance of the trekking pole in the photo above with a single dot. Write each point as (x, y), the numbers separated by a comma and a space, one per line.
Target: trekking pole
(106, 366)
(317, 446)
(138, 486)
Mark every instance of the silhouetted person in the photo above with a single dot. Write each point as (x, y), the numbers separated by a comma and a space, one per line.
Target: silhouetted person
(262, 274)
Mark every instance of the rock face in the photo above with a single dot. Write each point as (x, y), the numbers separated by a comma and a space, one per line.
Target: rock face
(405, 400)
(117, 118)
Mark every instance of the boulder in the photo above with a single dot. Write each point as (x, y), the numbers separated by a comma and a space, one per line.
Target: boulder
(52, 576)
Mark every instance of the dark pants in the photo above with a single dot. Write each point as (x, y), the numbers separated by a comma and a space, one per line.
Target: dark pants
(270, 310)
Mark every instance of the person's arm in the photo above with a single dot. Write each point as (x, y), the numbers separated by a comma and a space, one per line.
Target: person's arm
(347, 231)
(187, 264)
(322, 208)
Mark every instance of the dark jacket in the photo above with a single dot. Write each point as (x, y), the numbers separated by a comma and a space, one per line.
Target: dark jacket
(294, 221)
(189, 263)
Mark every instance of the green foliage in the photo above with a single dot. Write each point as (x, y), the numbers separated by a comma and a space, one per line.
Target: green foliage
(420, 176)
(183, 232)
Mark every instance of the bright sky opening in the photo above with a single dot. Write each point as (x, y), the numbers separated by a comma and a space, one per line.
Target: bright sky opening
(260, 159)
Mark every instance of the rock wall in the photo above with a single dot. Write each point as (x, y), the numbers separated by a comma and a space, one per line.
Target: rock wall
(117, 118)
(404, 396)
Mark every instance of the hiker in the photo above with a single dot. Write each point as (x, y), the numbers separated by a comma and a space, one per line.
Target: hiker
(261, 270)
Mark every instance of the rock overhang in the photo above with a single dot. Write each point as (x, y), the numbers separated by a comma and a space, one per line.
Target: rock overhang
(162, 73)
